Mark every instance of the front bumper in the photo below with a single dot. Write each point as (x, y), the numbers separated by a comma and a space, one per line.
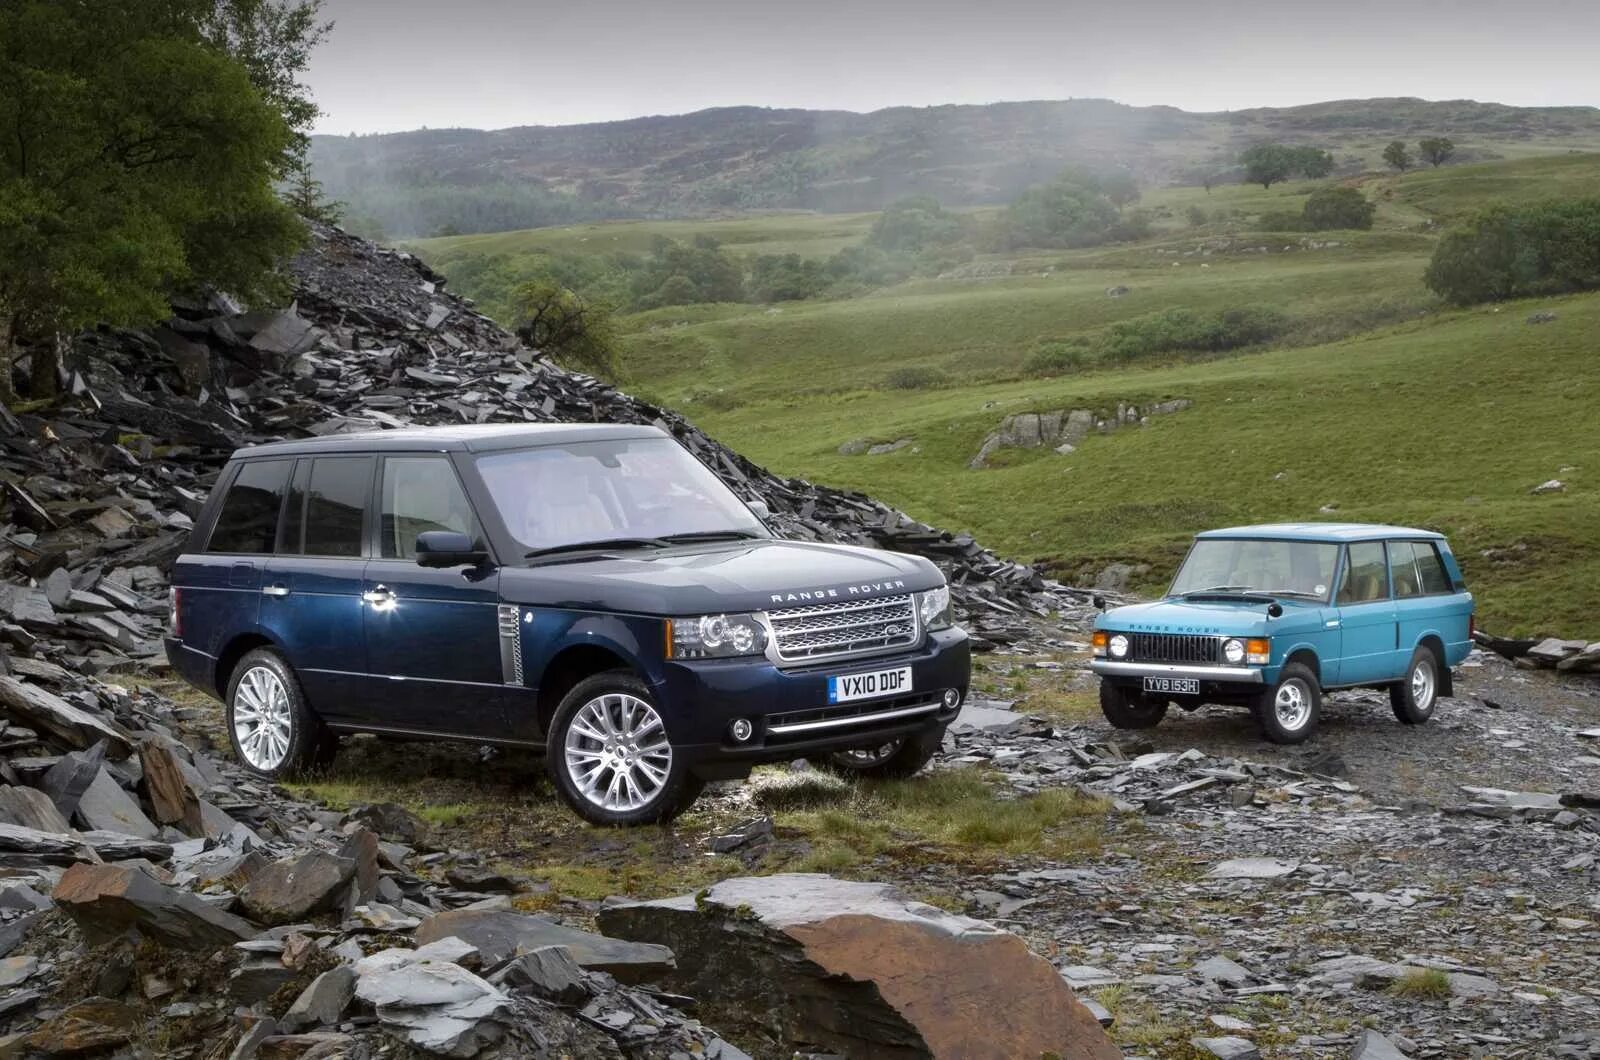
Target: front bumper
(788, 707)
(1242, 675)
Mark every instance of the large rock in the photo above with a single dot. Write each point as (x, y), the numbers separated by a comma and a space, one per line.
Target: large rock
(105, 807)
(293, 888)
(67, 780)
(437, 1006)
(857, 969)
(30, 808)
(171, 800)
(107, 901)
(92, 1025)
(72, 726)
(500, 934)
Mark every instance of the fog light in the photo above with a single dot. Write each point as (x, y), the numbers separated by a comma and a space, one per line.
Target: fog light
(952, 698)
(741, 729)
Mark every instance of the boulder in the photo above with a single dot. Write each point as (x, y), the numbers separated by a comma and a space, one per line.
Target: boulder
(105, 807)
(1552, 650)
(500, 934)
(438, 1007)
(857, 969)
(107, 901)
(70, 776)
(548, 972)
(293, 888)
(50, 713)
(171, 799)
(30, 808)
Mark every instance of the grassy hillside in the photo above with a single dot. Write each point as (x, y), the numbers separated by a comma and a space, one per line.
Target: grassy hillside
(1379, 403)
(737, 159)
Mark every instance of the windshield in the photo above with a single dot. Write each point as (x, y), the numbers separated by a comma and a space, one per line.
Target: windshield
(634, 488)
(1276, 568)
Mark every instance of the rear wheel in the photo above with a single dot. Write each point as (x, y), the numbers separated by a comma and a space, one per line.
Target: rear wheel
(1288, 712)
(1129, 708)
(611, 758)
(901, 757)
(1416, 696)
(272, 728)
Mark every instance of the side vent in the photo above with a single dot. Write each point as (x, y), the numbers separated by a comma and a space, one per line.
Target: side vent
(510, 619)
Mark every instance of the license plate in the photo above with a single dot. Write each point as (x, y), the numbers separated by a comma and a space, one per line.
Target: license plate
(846, 687)
(1177, 686)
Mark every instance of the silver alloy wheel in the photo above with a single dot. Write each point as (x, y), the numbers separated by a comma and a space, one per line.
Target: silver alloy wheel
(617, 752)
(1292, 705)
(1422, 685)
(263, 720)
(867, 757)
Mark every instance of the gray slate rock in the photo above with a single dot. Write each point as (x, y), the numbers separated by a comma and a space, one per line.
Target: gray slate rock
(323, 1002)
(291, 889)
(501, 934)
(1373, 1046)
(1227, 1048)
(107, 901)
(105, 807)
(30, 808)
(67, 723)
(548, 972)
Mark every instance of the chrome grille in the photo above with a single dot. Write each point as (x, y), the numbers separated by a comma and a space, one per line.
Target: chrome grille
(1175, 648)
(855, 627)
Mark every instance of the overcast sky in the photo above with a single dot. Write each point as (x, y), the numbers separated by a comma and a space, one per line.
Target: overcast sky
(403, 64)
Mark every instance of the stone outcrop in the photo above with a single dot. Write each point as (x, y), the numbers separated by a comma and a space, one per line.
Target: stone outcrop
(857, 969)
(1063, 430)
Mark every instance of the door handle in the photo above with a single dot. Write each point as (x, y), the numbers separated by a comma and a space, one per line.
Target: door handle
(381, 598)
(274, 590)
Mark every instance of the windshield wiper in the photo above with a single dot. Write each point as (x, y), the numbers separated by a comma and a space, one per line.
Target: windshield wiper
(610, 544)
(1217, 589)
(711, 535)
(1292, 592)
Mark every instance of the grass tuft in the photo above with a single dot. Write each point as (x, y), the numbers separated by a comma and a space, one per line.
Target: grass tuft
(1423, 984)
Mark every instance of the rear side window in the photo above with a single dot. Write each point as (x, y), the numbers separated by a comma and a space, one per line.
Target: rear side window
(420, 493)
(1430, 568)
(1365, 574)
(1403, 569)
(336, 505)
(248, 521)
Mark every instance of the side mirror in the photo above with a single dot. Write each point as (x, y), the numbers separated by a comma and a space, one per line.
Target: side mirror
(762, 511)
(1099, 602)
(1274, 610)
(447, 548)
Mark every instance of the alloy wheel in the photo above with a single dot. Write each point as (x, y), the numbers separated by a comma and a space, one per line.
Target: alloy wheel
(263, 720)
(1292, 704)
(617, 753)
(1422, 685)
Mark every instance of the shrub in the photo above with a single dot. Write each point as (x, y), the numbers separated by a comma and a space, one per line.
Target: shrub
(914, 377)
(1197, 217)
(1053, 357)
(1185, 330)
(1338, 208)
(1282, 221)
(1503, 253)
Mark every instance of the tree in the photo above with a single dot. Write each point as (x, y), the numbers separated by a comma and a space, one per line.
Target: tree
(305, 196)
(1269, 164)
(1312, 162)
(1069, 212)
(913, 223)
(574, 331)
(1120, 188)
(1338, 208)
(1397, 156)
(1436, 150)
(710, 274)
(138, 159)
(274, 40)
(1547, 248)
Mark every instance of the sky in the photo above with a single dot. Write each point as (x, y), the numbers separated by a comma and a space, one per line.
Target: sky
(392, 65)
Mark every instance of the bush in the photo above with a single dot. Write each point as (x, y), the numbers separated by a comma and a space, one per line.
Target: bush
(1053, 357)
(1282, 221)
(1503, 253)
(1338, 208)
(1185, 330)
(914, 377)
(1197, 217)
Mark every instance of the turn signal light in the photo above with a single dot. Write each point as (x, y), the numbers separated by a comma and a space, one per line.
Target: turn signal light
(1100, 639)
(1258, 651)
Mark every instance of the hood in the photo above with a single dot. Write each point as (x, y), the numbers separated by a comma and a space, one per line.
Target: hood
(706, 579)
(1243, 618)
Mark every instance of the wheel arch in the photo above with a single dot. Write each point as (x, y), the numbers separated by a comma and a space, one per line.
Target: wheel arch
(1434, 642)
(236, 649)
(570, 665)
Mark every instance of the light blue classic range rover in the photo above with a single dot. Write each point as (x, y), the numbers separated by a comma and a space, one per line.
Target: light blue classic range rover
(1270, 617)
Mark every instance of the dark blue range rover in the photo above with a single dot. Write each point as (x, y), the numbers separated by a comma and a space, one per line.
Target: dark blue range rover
(593, 591)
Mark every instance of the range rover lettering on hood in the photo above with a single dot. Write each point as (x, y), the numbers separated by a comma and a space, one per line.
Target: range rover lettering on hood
(807, 596)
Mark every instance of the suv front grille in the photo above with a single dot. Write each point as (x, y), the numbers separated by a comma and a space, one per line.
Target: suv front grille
(857, 627)
(1175, 648)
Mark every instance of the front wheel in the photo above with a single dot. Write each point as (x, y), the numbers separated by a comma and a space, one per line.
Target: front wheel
(1288, 712)
(610, 756)
(1129, 708)
(1414, 698)
(272, 728)
(892, 760)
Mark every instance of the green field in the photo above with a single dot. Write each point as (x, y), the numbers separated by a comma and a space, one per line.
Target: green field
(1380, 404)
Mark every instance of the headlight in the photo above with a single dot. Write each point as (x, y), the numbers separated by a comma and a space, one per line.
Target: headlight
(1119, 646)
(934, 607)
(715, 637)
(1233, 651)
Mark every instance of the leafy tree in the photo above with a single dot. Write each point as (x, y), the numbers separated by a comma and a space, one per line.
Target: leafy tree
(305, 196)
(1269, 164)
(574, 331)
(1502, 252)
(1436, 150)
(785, 278)
(1120, 188)
(1397, 156)
(712, 275)
(274, 40)
(913, 223)
(1312, 163)
(1338, 208)
(1069, 212)
(138, 158)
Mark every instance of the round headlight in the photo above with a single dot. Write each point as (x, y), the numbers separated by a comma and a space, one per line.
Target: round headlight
(713, 630)
(1119, 646)
(1233, 651)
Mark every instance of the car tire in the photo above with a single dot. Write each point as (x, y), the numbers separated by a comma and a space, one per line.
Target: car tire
(1129, 708)
(271, 726)
(895, 759)
(610, 756)
(1417, 695)
(1289, 711)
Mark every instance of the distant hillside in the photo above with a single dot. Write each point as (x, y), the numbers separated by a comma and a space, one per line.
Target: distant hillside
(737, 159)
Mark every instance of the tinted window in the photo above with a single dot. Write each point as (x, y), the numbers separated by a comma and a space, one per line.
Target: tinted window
(291, 528)
(248, 521)
(420, 493)
(1430, 568)
(1365, 574)
(335, 505)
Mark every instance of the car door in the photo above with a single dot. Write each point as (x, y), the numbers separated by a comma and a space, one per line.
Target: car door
(433, 637)
(1425, 601)
(1366, 616)
(221, 586)
(311, 594)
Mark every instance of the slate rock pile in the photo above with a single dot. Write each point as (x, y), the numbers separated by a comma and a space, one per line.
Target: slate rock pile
(1547, 653)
